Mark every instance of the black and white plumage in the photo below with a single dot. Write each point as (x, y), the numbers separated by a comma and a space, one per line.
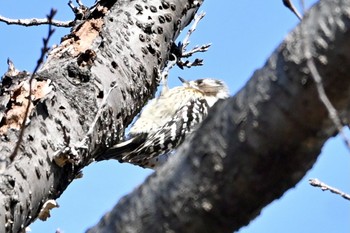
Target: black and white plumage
(166, 121)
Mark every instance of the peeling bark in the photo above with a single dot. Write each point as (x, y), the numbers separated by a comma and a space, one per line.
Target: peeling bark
(258, 144)
(99, 78)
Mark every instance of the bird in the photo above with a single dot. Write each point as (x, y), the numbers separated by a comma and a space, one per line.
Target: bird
(166, 121)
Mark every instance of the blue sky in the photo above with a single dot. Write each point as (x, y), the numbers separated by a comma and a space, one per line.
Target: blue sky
(243, 35)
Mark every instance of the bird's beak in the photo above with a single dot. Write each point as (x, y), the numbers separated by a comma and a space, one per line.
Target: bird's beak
(183, 80)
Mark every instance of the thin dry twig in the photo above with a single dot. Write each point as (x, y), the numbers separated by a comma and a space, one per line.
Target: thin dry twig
(44, 50)
(196, 49)
(36, 22)
(80, 11)
(325, 187)
(181, 47)
(186, 40)
(83, 144)
(163, 76)
(333, 114)
(80, 3)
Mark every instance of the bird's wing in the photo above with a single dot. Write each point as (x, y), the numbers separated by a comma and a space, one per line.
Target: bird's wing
(171, 135)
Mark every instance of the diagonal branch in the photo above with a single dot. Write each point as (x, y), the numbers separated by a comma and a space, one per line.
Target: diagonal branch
(324, 187)
(258, 144)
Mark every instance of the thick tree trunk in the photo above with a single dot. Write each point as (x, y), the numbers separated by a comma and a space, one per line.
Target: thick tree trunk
(254, 146)
(87, 92)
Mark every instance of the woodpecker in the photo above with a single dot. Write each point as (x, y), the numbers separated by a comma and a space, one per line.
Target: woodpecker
(166, 121)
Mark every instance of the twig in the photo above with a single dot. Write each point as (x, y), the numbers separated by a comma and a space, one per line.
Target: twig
(181, 47)
(80, 3)
(80, 11)
(196, 49)
(83, 142)
(290, 6)
(62, 155)
(44, 50)
(333, 114)
(324, 187)
(188, 64)
(36, 22)
(165, 73)
(186, 40)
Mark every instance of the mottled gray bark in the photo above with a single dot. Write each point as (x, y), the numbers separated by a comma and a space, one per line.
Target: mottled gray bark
(254, 146)
(89, 89)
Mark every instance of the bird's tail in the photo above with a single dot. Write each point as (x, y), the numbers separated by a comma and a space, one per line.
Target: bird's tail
(123, 149)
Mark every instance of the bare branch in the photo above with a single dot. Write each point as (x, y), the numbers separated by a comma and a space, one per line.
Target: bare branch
(188, 64)
(84, 143)
(163, 75)
(181, 47)
(196, 49)
(186, 40)
(272, 130)
(36, 22)
(325, 187)
(333, 114)
(44, 50)
(74, 101)
(80, 11)
(80, 3)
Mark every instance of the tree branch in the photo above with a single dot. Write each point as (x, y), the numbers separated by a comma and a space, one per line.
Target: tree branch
(40, 61)
(324, 187)
(36, 22)
(258, 144)
(115, 53)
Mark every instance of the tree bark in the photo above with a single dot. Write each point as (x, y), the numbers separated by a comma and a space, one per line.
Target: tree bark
(254, 146)
(89, 89)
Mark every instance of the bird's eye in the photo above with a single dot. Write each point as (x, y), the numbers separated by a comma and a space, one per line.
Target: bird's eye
(200, 81)
(218, 82)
